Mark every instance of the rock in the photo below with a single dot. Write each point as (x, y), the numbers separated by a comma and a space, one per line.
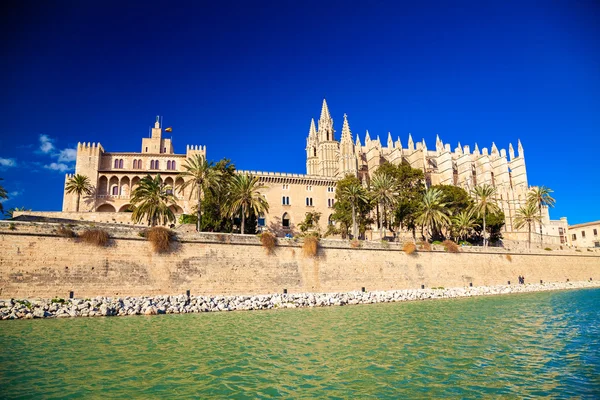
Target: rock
(150, 311)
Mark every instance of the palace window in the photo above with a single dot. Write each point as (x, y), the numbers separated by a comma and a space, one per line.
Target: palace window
(331, 189)
(115, 190)
(561, 231)
(154, 164)
(285, 200)
(309, 201)
(574, 237)
(119, 163)
(135, 164)
(146, 149)
(583, 234)
(595, 232)
(285, 187)
(285, 220)
(330, 202)
(309, 188)
(261, 220)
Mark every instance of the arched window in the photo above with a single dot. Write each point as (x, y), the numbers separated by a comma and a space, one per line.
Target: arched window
(285, 220)
(151, 164)
(116, 163)
(121, 163)
(134, 164)
(140, 164)
(115, 190)
(169, 164)
(173, 167)
(156, 164)
(330, 221)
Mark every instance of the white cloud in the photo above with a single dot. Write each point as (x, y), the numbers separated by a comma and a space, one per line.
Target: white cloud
(58, 167)
(7, 162)
(67, 155)
(46, 145)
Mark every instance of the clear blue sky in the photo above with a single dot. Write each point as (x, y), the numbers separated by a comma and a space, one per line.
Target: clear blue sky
(244, 79)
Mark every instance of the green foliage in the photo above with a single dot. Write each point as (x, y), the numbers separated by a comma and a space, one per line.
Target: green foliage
(79, 184)
(456, 198)
(12, 226)
(245, 198)
(188, 219)
(464, 224)
(151, 200)
(11, 211)
(432, 213)
(485, 204)
(311, 221)
(343, 206)
(495, 223)
(527, 216)
(58, 300)
(549, 249)
(3, 195)
(201, 177)
(215, 212)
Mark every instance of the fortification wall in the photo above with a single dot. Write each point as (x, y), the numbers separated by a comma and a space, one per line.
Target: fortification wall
(34, 262)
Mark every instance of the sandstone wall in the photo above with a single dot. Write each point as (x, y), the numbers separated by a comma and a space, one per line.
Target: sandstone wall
(34, 262)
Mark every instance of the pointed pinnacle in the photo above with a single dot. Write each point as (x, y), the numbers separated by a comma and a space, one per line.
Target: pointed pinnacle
(325, 111)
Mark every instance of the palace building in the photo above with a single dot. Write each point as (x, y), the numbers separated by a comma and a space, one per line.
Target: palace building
(115, 174)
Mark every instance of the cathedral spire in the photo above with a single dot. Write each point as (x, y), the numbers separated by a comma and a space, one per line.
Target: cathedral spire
(398, 143)
(312, 132)
(325, 111)
(511, 151)
(346, 133)
(390, 143)
(358, 141)
(411, 144)
(367, 138)
(520, 147)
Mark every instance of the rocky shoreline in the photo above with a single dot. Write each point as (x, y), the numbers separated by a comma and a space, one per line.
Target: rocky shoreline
(181, 304)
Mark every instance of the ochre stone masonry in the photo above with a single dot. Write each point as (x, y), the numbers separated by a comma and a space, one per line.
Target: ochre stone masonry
(34, 262)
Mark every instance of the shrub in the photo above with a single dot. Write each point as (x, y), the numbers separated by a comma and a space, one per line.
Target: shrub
(464, 243)
(65, 232)
(509, 257)
(58, 301)
(268, 241)
(12, 226)
(450, 246)
(548, 249)
(96, 237)
(310, 246)
(409, 248)
(355, 243)
(160, 238)
(436, 242)
(426, 246)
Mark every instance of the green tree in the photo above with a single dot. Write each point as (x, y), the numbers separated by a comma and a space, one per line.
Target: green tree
(464, 224)
(79, 184)
(433, 212)
(245, 197)
(215, 212)
(527, 215)
(485, 203)
(343, 209)
(311, 221)
(384, 193)
(456, 198)
(540, 197)
(201, 176)
(151, 200)
(3, 195)
(409, 188)
(11, 211)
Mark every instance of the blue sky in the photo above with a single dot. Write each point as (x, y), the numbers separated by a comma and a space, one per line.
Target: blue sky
(244, 79)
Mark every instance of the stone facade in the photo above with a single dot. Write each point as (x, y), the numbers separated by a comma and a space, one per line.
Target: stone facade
(585, 235)
(291, 196)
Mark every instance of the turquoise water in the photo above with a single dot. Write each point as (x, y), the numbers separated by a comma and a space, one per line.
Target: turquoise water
(529, 345)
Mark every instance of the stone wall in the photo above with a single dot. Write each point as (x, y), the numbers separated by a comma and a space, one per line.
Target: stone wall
(35, 262)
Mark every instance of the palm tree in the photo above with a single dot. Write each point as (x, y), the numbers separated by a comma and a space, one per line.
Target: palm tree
(201, 176)
(540, 197)
(384, 192)
(485, 203)
(3, 195)
(151, 200)
(527, 214)
(79, 184)
(244, 196)
(355, 194)
(433, 212)
(464, 224)
(11, 211)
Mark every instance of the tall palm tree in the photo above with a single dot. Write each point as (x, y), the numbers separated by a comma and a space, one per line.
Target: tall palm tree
(245, 195)
(485, 203)
(433, 212)
(355, 194)
(540, 197)
(201, 176)
(151, 200)
(79, 184)
(3, 195)
(384, 192)
(464, 224)
(527, 215)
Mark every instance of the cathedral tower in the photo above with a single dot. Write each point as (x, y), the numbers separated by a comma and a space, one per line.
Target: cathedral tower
(347, 161)
(327, 147)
